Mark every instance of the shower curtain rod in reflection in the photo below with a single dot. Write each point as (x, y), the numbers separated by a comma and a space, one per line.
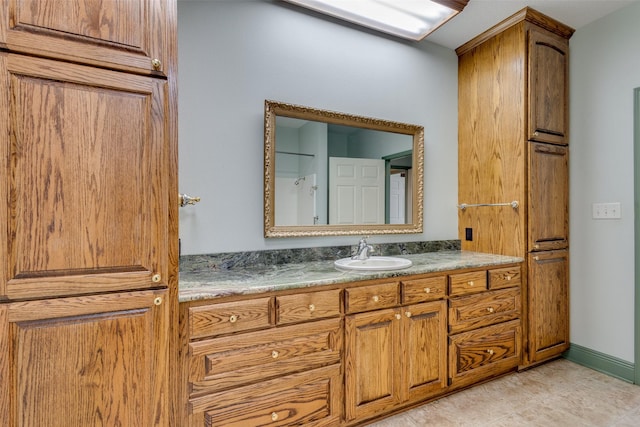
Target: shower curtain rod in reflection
(295, 154)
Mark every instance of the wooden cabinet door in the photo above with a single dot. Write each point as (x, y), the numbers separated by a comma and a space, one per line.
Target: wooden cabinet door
(548, 197)
(548, 300)
(548, 87)
(120, 34)
(372, 363)
(85, 361)
(424, 341)
(84, 194)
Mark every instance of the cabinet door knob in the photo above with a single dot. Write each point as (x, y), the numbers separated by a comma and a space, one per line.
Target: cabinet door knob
(275, 354)
(233, 318)
(312, 307)
(375, 298)
(470, 283)
(274, 416)
(408, 314)
(398, 316)
(157, 301)
(156, 64)
(490, 309)
(427, 290)
(156, 278)
(490, 352)
(507, 277)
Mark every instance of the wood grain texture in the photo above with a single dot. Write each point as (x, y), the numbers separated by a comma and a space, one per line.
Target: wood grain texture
(88, 180)
(72, 366)
(484, 353)
(500, 278)
(222, 363)
(474, 311)
(219, 319)
(372, 363)
(548, 87)
(424, 289)
(118, 34)
(424, 344)
(467, 283)
(491, 147)
(548, 304)
(309, 306)
(548, 193)
(513, 133)
(307, 398)
(372, 297)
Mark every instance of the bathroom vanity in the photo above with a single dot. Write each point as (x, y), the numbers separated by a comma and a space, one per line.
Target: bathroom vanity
(306, 344)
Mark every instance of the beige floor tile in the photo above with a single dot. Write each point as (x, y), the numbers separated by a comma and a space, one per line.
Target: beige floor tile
(559, 393)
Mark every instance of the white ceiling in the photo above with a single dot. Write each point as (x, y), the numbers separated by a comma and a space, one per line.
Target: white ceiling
(480, 15)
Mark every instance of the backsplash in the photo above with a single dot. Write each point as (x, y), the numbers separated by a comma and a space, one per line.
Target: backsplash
(229, 260)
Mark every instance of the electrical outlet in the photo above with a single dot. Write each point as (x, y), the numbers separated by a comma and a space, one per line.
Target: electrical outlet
(606, 211)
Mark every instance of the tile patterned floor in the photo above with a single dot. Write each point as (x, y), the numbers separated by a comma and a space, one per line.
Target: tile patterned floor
(559, 393)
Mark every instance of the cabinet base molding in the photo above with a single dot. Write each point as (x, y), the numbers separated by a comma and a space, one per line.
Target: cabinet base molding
(601, 362)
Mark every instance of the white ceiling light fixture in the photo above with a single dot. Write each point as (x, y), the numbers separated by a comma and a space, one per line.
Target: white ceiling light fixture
(408, 19)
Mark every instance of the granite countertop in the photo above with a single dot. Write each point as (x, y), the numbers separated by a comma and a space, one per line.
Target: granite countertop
(211, 282)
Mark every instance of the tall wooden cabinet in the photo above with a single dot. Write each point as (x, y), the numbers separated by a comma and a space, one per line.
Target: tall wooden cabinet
(88, 207)
(513, 146)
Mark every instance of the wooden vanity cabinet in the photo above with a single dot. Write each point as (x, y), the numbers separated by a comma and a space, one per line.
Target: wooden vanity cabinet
(394, 356)
(484, 328)
(273, 360)
(513, 145)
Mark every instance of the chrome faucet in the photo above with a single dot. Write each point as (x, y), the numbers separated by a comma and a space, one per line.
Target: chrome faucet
(364, 250)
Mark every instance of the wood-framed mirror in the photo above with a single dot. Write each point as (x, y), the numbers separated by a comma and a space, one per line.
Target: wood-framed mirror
(328, 173)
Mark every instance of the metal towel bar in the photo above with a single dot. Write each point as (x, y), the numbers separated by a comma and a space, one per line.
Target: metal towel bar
(513, 204)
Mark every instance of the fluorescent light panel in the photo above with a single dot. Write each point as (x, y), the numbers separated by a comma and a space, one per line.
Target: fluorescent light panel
(409, 19)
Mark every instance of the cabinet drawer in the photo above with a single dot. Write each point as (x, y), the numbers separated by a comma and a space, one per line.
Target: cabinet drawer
(309, 398)
(504, 277)
(371, 297)
(484, 352)
(218, 319)
(484, 309)
(222, 363)
(467, 283)
(309, 306)
(422, 290)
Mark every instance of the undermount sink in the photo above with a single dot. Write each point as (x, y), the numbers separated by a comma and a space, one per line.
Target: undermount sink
(374, 263)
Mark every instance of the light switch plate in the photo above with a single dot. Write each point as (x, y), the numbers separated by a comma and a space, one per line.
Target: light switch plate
(606, 210)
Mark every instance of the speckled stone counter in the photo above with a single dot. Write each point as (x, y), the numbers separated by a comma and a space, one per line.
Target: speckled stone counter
(203, 280)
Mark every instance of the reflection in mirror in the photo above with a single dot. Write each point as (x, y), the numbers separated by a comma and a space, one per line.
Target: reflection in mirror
(329, 173)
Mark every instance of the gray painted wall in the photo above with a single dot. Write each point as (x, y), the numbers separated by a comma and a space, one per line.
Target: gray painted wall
(605, 68)
(235, 54)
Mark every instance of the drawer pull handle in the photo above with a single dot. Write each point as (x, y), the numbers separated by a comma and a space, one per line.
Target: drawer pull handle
(156, 278)
(536, 258)
(470, 283)
(312, 307)
(375, 298)
(490, 352)
(490, 309)
(275, 354)
(157, 301)
(427, 290)
(507, 277)
(274, 416)
(408, 314)
(398, 316)
(233, 318)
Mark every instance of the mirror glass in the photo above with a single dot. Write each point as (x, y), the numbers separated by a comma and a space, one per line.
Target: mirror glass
(329, 173)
